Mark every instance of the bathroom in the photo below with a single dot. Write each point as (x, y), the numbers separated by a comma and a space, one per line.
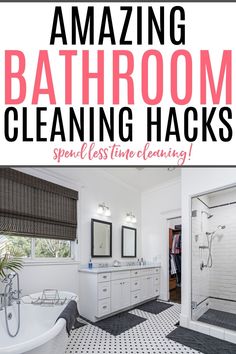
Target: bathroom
(153, 196)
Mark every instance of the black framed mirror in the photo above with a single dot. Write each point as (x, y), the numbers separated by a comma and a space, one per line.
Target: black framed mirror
(128, 242)
(101, 238)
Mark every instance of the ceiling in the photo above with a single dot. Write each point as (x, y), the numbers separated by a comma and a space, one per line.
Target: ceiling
(144, 178)
(139, 178)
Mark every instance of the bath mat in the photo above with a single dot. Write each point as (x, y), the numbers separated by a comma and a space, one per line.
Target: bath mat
(201, 342)
(219, 318)
(120, 323)
(79, 325)
(154, 307)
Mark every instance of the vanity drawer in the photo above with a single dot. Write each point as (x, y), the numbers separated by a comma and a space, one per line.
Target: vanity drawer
(157, 270)
(120, 275)
(104, 277)
(135, 284)
(135, 297)
(135, 273)
(104, 307)
(156, 279)
(104, 290)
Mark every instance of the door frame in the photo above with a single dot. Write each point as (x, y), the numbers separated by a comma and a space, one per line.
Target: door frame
(166, 217)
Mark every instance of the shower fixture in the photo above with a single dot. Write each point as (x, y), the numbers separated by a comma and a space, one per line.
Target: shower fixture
(219, 227)
(207, 214)
(210, 237)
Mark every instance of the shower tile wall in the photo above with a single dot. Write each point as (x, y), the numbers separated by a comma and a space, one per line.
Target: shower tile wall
(200, 279)
(220, 280)
(223, 272)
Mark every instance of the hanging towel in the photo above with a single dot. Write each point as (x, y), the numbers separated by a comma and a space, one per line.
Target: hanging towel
(70, 314)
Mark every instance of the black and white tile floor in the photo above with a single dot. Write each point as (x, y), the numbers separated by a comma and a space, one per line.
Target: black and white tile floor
(149, 337)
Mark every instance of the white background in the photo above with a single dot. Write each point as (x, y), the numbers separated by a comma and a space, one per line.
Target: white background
(27, 27)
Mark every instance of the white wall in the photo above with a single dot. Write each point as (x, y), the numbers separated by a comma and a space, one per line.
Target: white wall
(35, 278)
(99, 187)
(94, 186)
(196, 181)
(158, 205)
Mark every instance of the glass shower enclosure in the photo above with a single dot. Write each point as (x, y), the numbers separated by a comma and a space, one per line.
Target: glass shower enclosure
(214, 258)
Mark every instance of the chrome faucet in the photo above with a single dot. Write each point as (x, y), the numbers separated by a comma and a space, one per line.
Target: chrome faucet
(11, 295)
(1, 301)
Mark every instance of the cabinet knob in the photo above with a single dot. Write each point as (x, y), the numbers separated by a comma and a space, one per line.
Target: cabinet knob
(136, 283)
(136, 297)
(104, 290)
(104, 307)
(104, 276)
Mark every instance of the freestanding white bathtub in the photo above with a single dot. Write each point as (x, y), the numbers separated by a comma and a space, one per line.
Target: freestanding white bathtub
(39, 333)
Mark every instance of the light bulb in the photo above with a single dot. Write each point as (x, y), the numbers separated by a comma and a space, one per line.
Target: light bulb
(100, 209)
(134, 220)
(128, 217)
(107, 211)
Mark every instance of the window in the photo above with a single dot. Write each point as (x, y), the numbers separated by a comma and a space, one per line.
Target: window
(38, 219)
(36, 248)
(50, 248)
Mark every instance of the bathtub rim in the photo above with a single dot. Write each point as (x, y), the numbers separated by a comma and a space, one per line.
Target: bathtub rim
(36, 341)
(43, 338)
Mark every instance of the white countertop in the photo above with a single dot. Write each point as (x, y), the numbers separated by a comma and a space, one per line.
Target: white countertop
(118, 269)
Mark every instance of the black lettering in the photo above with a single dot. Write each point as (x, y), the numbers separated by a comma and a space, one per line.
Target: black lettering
(40, 124)
(75, 124)
(139, 25)
(88, 26)
(129, 136)
(106, 18)
(57, 120)
(58, 19)
(104, 122)
(172, 119)
(181, 39)
(151, 123)
(91, 124)
(24, 126)
(206, 124)
(229, 136)
(152, 21)
(10, 112)
(128, 10)
(186, 124)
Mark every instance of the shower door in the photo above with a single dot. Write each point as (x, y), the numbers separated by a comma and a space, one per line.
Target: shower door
(214, 258)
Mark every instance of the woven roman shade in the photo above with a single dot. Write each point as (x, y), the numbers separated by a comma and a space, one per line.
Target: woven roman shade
(31, 206)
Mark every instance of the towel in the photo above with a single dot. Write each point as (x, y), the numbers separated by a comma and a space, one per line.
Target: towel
(70, 314)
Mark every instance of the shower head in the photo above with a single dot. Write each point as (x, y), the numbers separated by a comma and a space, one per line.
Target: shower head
(221, 227)
(207, 214)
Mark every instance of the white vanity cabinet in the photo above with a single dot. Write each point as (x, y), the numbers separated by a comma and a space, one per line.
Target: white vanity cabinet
(120, 294)
(103, 292)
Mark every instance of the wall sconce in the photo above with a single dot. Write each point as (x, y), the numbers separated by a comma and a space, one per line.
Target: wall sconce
(103, 209)
(130, 217)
